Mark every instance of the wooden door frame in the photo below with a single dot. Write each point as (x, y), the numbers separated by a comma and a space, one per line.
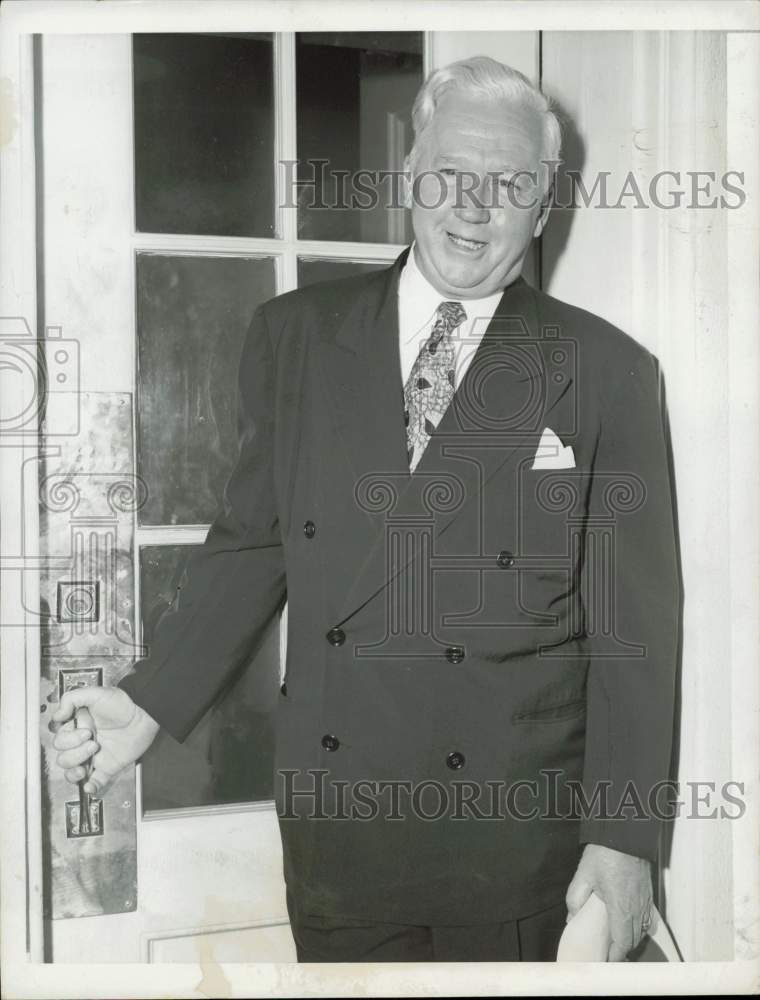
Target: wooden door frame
(20, 812)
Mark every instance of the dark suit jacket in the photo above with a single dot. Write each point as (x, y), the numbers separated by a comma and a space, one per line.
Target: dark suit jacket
(477, 624)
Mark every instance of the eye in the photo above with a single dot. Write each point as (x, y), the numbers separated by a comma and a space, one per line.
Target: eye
(507, 182)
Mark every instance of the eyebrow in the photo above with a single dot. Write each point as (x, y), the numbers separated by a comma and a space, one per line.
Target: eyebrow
(454, 160)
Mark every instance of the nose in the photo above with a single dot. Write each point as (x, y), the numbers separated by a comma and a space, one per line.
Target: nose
(473, 205)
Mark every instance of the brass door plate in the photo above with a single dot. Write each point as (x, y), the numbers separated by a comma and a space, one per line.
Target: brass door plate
(73, 819)
(69, 679)
(78, 601)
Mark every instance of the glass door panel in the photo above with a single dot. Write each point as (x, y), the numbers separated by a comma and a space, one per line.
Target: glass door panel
(204, 134)
(192, 316)
(354, 96)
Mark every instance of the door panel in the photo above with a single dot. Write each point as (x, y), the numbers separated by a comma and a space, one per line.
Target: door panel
(229, 755)
(192, 316)
(265, 943)
(213, 867)
(357, 116)
(204, 133)
(197, 871)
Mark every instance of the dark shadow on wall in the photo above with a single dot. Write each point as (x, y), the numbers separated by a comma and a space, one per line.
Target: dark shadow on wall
(666, 840)
(553, 242)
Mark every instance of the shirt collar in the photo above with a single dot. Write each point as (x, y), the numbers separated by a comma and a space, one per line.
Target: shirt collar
(419, 299)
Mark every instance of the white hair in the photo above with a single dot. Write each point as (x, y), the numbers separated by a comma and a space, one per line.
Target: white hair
(485, 77)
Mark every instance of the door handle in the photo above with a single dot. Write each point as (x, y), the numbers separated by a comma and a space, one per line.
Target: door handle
(84, 816)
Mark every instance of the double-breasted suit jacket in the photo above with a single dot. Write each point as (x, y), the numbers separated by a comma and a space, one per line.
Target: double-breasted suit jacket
(491, 638)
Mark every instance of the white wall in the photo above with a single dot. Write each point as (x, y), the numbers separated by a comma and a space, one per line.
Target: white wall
(518, 49)
(684, 283)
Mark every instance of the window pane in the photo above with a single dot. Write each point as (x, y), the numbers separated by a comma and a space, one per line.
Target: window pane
(314, 269)
(354, 95)
(204, 134)
(229, 755)
(192, 316)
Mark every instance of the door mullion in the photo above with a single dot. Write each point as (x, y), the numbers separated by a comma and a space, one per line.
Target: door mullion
(286, 212)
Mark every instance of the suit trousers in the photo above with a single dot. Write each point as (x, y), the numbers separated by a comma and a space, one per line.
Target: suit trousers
(533, 938)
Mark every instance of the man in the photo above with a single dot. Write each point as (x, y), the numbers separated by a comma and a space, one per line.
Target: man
(460, 484)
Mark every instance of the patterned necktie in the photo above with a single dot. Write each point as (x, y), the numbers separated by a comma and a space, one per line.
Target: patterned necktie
(430, 386)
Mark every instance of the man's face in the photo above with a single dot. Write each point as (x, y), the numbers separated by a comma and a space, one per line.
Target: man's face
(471, 245)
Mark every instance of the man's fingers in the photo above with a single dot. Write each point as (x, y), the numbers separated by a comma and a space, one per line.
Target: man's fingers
(75, 774)
(77, 698)
(622, 934)
(616, 953)
(97, 783)
(84, 719)
(577, 893)
(649, 923)
(67, 739)
(77, 755)
(64, 712)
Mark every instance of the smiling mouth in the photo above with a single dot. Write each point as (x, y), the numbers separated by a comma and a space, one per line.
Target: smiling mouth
(471, 246)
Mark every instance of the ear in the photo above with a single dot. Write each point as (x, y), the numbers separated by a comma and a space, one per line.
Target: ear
(408, 181)
(546, 207)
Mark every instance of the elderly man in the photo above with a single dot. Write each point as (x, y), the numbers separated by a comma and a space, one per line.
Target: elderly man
(461, 487)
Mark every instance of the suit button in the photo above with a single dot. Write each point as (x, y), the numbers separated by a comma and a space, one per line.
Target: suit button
(455, 654)
(505, 559)
(336, 636)
(284, 690)
(455, 760)
(309, 529)
(330, 742)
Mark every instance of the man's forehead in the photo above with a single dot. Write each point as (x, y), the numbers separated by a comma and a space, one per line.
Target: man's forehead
(461, 143)
(497, 111)
(487, 122)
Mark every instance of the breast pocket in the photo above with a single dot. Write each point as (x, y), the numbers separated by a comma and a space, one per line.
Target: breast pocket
(550, 504)
(553, 713)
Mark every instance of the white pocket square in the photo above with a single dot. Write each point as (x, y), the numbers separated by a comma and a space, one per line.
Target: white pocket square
(552, 454)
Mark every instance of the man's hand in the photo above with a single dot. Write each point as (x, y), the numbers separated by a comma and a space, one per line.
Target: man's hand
(110, 729)
(624, 883)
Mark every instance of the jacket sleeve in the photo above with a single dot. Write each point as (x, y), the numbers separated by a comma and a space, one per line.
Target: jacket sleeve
(235, 580)
(631, 596)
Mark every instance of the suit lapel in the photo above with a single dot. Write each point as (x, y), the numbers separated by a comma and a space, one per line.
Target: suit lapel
(361, 375)
(495, 417)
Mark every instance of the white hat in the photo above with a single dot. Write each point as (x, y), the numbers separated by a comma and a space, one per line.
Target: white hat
(587, 936)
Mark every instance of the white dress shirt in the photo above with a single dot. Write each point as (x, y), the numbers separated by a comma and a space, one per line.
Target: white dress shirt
(418, 301)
